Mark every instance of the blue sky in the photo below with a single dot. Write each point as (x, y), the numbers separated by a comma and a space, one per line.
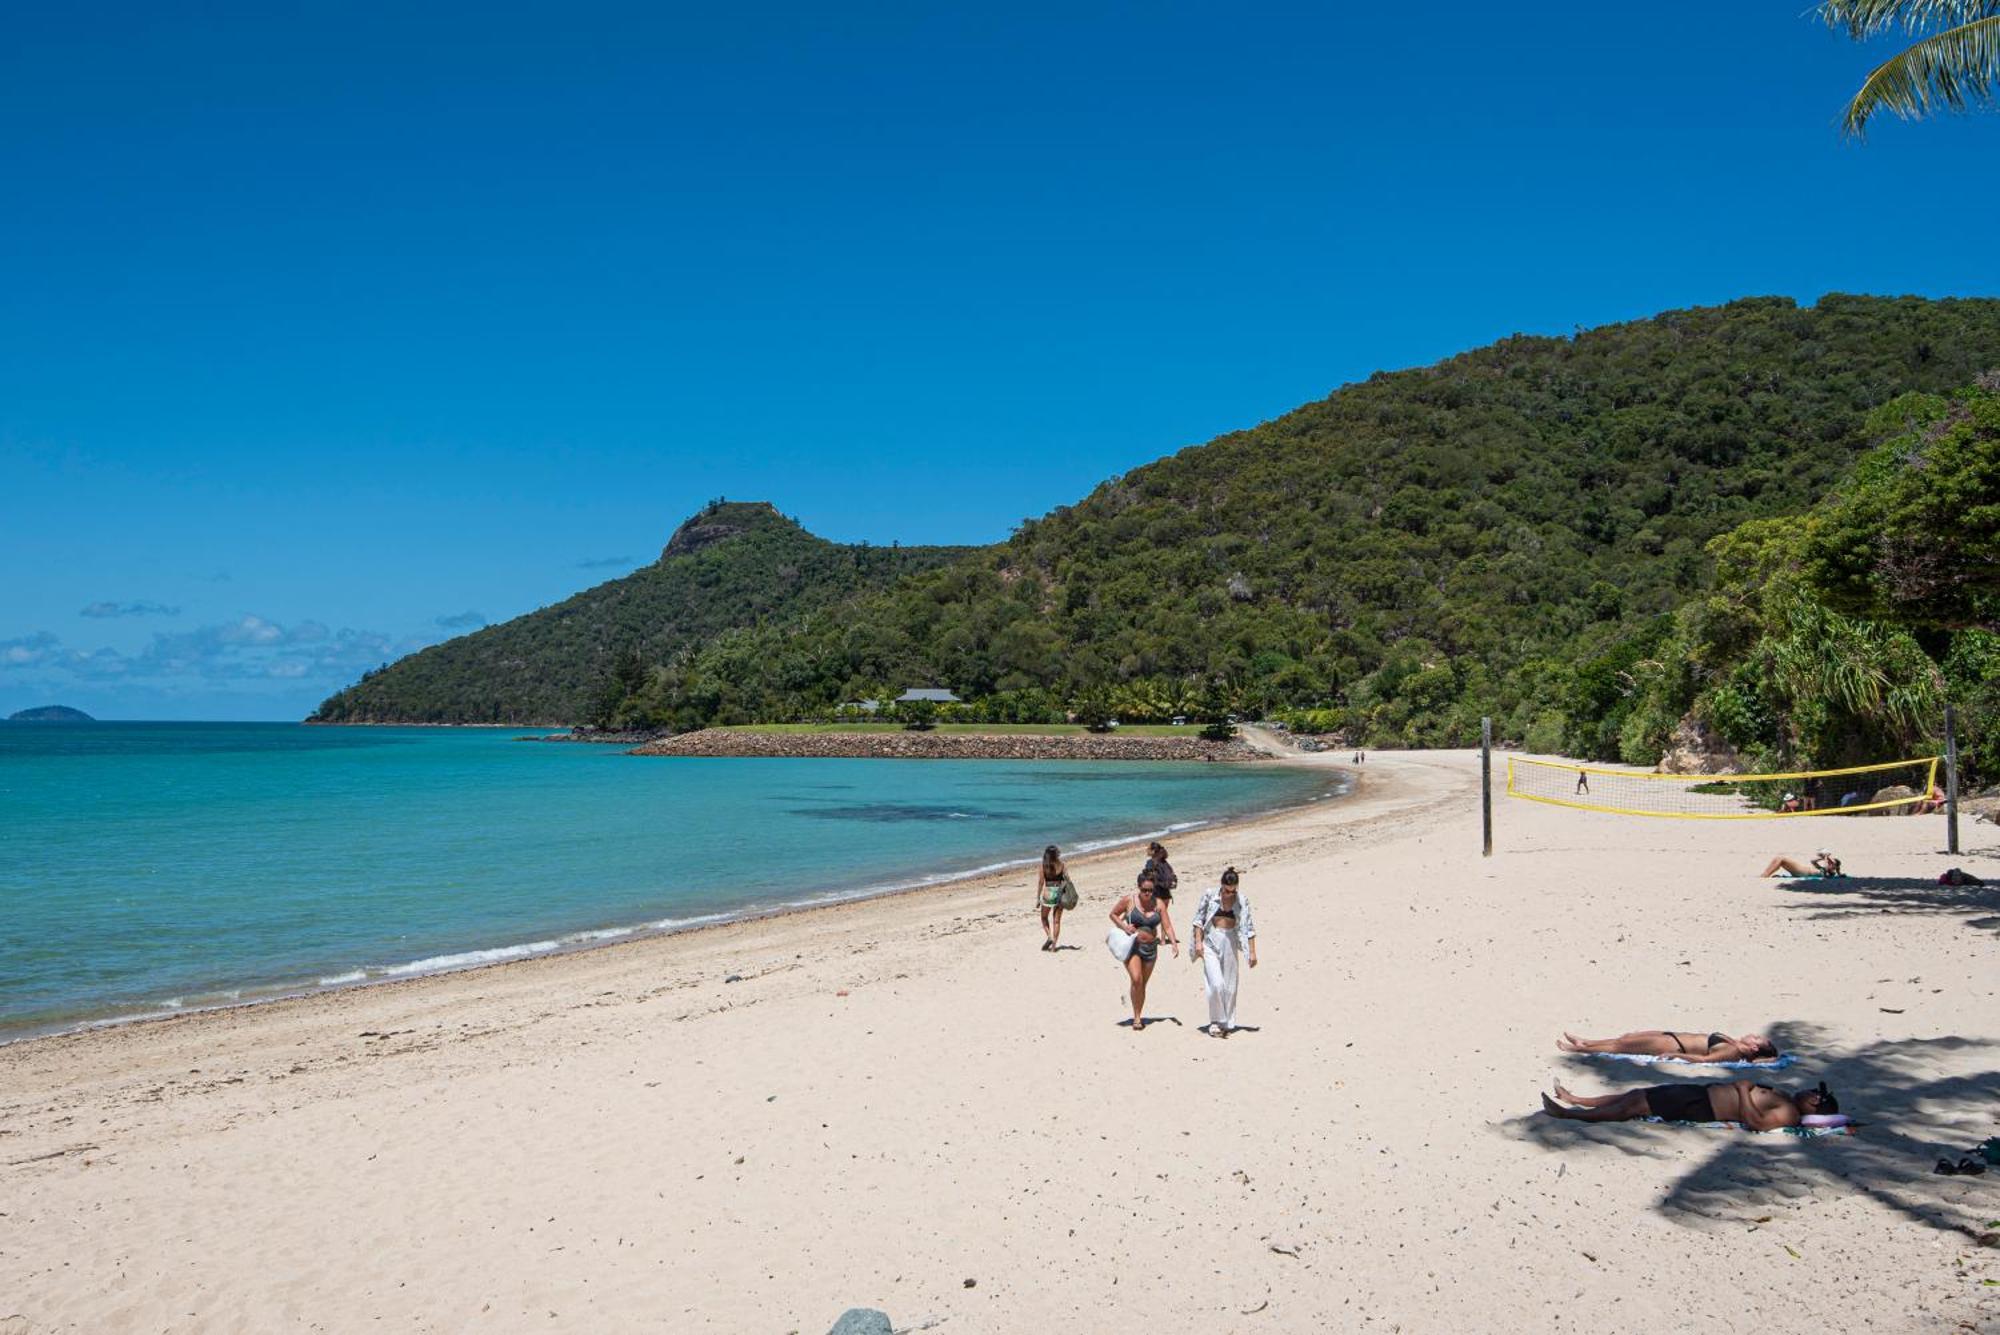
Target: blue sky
(332, 331)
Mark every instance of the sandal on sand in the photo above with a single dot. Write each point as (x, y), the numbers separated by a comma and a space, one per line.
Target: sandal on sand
(1967, 1167)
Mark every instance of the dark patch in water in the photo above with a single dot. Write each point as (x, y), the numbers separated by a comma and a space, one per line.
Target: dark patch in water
(894, 812)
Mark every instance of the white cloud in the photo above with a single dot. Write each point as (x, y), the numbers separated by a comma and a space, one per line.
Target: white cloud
(251, 630)
(250, 648)
(141, 608)
(29, 650)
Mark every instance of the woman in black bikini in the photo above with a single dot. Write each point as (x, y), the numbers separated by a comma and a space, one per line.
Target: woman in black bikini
(1051, 884)
(1144, 914)
(1712, 1047)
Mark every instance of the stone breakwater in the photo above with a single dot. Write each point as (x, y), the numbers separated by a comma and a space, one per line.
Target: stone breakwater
(945, 746)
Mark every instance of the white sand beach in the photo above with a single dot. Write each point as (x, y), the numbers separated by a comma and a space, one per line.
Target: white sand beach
(906, 1104)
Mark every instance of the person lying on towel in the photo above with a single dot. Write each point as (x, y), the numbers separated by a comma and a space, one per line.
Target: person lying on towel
(1688, 1047)
(1758, 1107)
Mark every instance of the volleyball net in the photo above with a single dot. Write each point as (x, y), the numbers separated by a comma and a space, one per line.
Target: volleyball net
(1908, 784)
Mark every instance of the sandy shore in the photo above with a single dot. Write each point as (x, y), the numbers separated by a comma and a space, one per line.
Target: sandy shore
(900, 1096)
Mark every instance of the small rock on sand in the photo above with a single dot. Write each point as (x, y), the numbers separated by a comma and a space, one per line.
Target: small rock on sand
(862, 1321)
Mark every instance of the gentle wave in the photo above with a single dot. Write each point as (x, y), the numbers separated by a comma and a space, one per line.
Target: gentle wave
(457, 961)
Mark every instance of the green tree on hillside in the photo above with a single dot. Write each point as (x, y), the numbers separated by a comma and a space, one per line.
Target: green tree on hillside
(1914, 533)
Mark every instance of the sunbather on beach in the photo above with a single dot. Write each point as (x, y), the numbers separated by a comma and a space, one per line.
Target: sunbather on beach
(1711, 1047)
(1050, 883)
(1758, 1107)
(1824, 865)
(1144, 914)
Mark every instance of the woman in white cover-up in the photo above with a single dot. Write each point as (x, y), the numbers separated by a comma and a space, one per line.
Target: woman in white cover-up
(1224, 934)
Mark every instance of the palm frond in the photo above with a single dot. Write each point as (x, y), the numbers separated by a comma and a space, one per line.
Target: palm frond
(1951, 71)
(1862, 19)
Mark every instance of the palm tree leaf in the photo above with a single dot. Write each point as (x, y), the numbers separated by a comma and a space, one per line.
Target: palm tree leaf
(1863, 19)
(1950, 70)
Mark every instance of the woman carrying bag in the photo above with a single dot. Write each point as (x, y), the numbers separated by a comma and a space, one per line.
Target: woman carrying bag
(1054, 894)
(1139, 922)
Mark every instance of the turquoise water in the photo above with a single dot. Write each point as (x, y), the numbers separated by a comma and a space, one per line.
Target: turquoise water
(159, 866)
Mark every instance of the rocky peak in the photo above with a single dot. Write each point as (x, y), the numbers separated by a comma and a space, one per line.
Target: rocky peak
(721, 521)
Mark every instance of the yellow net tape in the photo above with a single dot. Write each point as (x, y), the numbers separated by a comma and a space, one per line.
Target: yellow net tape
(1824, 792)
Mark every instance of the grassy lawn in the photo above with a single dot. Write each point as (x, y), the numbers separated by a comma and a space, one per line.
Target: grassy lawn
(974, 729)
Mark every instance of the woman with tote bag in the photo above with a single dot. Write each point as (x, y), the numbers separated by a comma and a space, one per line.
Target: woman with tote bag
(1139, 922)
(1054, 894)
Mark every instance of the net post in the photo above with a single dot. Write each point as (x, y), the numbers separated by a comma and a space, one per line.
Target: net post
(1486, 784)
(1950, 781)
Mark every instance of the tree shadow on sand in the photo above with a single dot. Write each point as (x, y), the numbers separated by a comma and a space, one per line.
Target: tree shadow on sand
(1868, 896)
(1915, 1102)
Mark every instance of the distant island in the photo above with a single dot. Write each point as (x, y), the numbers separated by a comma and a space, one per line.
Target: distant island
(51, 714)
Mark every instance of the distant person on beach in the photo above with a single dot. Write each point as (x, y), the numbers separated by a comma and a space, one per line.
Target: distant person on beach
(1824, 865)
(1930, 802)
(1224, 933)
(1145, 916)
(1053, 892)
(1758, 1107)
(1583, 783)
(1165, 879)
(1711, 1047)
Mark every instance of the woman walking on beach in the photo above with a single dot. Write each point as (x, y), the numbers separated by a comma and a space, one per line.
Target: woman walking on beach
(1143, 915)
(1165, 881)
(1224, 932)
(1053, 894)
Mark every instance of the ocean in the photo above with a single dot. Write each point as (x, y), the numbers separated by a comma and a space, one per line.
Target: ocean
(156, 867)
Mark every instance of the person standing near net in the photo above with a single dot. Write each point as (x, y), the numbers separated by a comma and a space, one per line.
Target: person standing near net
(1223, 935)
(1582, 784)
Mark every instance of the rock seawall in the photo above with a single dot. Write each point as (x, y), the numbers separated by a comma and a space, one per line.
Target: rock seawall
(945, 746)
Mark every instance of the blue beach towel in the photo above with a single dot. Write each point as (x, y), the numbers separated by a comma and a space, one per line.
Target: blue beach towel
(1784, 1059)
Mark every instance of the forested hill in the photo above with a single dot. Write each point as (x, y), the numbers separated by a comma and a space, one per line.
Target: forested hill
(732, 565)
(1505, 532)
